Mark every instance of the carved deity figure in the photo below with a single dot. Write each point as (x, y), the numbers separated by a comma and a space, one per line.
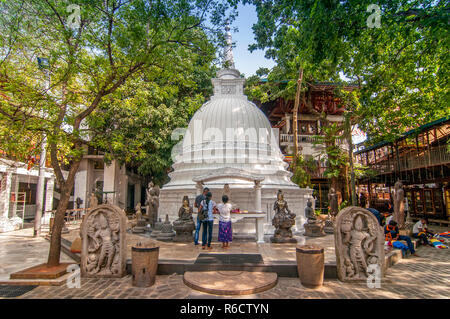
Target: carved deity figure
(333, 202)
(103, 236)
(399, 205)
(283, 220)
(359, 243)
(105, 240)
(152, 202)
(359, 248)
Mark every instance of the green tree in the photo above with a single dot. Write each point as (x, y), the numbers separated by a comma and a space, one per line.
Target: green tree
(92, 56)
(401, 67)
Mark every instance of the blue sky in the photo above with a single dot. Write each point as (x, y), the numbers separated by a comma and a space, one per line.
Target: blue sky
(245, 61)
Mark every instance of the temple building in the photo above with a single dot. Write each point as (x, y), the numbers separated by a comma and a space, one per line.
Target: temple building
(279, 113)
(229, 140)
(420, 159)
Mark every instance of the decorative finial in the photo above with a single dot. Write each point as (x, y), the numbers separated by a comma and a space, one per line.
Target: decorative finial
(228, 52)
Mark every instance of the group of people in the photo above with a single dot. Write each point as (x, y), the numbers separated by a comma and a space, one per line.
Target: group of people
(391, 230)
(205, 217)
(420, 230)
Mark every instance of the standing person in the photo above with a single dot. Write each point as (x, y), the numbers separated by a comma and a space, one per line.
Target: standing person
(420, 230)
(207, 207)
(197, 203)
(225, 231)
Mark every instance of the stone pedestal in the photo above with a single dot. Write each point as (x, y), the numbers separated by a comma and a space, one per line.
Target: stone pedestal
(140, 227)
(183, 231)
(314, 230)
(144, 264)
(310, 265)
(329, 226)
(156, 229)
(166, 233)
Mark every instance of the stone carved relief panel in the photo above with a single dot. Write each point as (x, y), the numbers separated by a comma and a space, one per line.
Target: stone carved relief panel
(359, 243)
(229, 89)
(103, 234)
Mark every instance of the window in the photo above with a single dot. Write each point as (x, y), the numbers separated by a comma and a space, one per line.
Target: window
(30, 190)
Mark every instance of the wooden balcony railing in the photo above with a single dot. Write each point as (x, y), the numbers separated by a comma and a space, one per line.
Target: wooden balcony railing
(435, 156)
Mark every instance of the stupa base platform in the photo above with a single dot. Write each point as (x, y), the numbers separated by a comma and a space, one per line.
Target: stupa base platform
(230, 282)
(179, 258)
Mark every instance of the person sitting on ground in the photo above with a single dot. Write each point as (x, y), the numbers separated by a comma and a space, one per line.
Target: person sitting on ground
(225, 231)
(392, 234)
(420, 230)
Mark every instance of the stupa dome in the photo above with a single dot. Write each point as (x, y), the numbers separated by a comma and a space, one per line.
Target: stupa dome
(229, 141)
(229, 132)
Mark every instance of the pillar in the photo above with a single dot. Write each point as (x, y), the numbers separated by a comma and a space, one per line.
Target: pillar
(16, 197)
(199, 188)
(49, 200)
(110, 182)
(80, 184)
(6, 194)
(257, 188)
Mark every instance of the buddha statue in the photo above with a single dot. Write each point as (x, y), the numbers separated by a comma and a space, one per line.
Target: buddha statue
(313, 226)
(184, 225)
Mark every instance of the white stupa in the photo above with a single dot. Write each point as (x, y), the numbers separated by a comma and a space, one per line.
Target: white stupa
(229, 140)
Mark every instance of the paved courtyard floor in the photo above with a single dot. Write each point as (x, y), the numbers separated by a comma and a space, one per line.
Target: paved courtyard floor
(189, 253)
(20, 250)
(427, 276)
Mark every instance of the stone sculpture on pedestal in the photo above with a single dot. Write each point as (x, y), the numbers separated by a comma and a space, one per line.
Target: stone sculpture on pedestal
(313, 226)
(359, 243)
(282, 221)
(184, 225)
(333, 202)
(141, 223)
(334, 209)
(152, 202)
(166, 233)
(156, 229)
(103, 252)
(399, 205)
(93, 201)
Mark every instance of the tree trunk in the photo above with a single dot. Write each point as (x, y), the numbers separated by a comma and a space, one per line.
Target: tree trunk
(55, 241)
(295, 115)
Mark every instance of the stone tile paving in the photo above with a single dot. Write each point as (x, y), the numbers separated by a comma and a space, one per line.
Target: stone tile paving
(20, 250)
(427, 276)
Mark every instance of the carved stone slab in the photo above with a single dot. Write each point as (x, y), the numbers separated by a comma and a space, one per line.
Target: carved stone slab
(359, 242)
(103, 252)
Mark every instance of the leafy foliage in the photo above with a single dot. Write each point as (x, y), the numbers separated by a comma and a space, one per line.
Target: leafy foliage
(116, 62)
(401, 68)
